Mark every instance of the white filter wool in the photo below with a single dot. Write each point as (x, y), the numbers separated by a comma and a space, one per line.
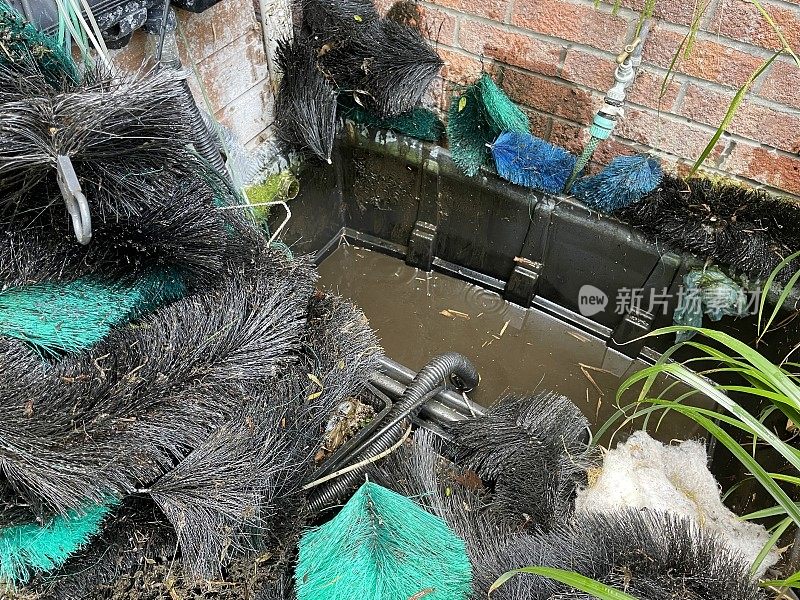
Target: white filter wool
(644, 473)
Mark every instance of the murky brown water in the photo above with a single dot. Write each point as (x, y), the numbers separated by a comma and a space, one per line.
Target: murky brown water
(418, 315)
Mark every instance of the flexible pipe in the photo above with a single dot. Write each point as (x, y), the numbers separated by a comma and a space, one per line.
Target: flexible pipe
(426, 385)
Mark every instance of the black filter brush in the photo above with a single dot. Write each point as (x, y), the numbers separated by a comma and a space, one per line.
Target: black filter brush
(220, 496)
(305, 107)
(649, 555)
(113, 419)
(120, 132)
(747, 230)
(387, 68)
(239, 491)
(180, 231)
(533, 450)
(330, 22)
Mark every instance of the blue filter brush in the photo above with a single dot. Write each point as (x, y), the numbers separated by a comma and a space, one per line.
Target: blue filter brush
(529, 161)
(627, 179)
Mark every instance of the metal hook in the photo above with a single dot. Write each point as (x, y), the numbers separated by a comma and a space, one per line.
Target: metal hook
(75, 201)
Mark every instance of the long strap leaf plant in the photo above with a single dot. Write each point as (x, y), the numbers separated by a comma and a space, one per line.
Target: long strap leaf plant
(752, 381)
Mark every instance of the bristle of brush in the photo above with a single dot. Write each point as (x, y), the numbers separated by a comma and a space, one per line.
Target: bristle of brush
(650, 555)
(387, 66)
(333, 21)
(117, 129)
(355, 555)
(57, 319)
(531, 162)
(177, 231)
(746, 231)
(420, 123)
(108, 421)
(305, 107)
(134, 536)
(32, 548)
(625, 180)
(534, 452)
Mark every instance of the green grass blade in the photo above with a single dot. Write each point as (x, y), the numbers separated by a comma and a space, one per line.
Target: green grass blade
(570, 578)
(771, 373)
(773, 539)
(793, 582)
(794, 480)
(790, 454)
(765, 513)
(768, 18)
(762, 329)
(731, 112)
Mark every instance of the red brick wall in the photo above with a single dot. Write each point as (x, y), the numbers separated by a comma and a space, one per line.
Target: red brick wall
(556, 58)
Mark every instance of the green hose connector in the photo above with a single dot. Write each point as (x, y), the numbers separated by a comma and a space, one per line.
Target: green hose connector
(602, 127)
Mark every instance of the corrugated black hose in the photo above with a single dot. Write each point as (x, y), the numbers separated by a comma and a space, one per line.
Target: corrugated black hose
(161, 22)
(427, 384)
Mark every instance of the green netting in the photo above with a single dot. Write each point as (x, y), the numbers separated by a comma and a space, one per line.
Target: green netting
(25, 47)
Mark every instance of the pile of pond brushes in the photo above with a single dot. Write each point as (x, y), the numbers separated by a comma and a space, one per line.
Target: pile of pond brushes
(344, 47)
(477, 116)
(205, 411)
(747, 231)
(237, 491)
(650, 555)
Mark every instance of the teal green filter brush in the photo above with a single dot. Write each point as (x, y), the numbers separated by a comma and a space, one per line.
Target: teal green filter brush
(382, 546)
(476, 118)
(69, 317)
(421, 123)
(35, 548)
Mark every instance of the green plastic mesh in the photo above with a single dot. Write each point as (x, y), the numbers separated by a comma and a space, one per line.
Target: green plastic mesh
(477, 115)
(382, 545)
(21, 43)
(420, 123)
(70, 317)
(31, 548)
